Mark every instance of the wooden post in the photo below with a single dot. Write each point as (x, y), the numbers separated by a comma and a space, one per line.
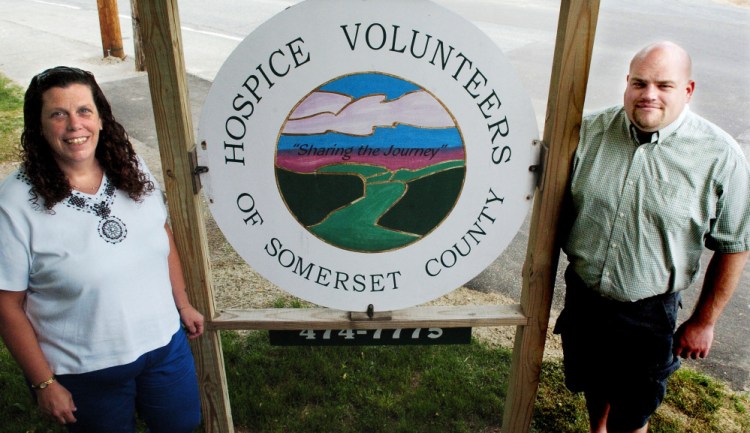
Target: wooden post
(169, 95)
(109, 25)
(570, 69)
(140, 59)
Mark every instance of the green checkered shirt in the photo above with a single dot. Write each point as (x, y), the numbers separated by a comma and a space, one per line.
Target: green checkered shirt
(642, 213)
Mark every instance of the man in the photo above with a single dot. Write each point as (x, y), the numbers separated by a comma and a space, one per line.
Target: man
(652, 183)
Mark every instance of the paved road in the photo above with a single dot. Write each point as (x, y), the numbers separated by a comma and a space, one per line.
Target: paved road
(36, 34)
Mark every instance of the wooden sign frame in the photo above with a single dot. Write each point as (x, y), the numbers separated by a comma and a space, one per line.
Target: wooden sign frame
(160, 25)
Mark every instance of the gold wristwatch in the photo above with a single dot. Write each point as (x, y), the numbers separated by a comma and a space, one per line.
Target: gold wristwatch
(44, 384)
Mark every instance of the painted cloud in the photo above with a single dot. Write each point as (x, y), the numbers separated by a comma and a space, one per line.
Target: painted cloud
(323, 112)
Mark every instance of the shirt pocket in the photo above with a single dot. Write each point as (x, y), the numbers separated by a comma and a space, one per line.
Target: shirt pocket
(668, 206)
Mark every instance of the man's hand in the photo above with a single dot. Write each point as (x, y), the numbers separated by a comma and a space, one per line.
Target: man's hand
(693, 340)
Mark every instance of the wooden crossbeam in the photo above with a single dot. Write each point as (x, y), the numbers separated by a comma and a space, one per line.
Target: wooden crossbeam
(326, 318)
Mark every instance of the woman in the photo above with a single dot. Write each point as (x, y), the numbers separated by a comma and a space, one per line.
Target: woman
(91, 286)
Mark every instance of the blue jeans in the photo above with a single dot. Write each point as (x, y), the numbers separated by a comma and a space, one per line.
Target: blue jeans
(160, 385)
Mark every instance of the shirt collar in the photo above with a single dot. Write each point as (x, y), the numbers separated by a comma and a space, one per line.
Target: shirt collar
(659, 136)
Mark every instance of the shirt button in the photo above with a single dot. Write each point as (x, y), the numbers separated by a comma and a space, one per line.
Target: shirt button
(622, 214)
(630, 182)
(614, 245)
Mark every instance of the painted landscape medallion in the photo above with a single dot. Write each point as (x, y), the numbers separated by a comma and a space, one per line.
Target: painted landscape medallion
(370, 162)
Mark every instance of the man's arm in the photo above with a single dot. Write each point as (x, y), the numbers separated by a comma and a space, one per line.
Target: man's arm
(693, 338)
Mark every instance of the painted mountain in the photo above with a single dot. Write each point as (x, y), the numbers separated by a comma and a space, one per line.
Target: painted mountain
(370, 162)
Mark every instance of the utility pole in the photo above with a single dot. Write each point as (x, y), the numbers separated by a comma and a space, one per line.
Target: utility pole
(140, 57)
(109, 24)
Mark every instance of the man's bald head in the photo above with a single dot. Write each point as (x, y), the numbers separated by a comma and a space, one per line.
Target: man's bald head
(666, 51)
(659, 85)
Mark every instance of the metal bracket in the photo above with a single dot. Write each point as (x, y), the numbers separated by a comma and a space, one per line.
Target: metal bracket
(196, 170)
(539, 168)
(370, 315)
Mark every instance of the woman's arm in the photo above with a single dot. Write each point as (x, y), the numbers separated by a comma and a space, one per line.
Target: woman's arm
(16, 331)
(191, 318)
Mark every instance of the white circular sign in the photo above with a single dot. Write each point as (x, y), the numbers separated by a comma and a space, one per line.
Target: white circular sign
(368, 152)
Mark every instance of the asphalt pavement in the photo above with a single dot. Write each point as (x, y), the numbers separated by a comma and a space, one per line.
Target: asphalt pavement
(36, 34)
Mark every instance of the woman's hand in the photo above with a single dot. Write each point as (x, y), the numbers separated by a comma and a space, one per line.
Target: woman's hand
(193, 321)
(56, 403)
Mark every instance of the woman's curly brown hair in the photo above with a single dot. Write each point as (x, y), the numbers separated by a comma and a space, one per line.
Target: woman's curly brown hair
(114, 151)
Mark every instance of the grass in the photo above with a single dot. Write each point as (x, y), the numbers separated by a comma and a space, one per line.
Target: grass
(11, 119)
(363, 389)
(410, 389)
(382, 389)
